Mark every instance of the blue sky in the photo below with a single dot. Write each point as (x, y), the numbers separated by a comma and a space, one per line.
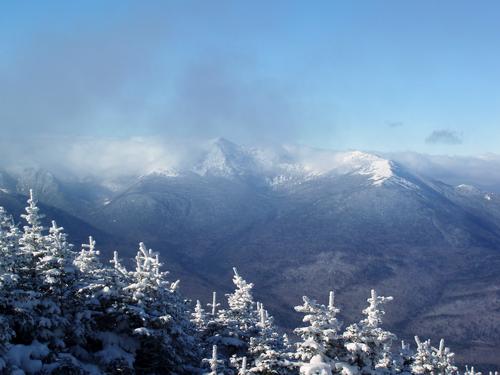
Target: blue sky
(374, 75)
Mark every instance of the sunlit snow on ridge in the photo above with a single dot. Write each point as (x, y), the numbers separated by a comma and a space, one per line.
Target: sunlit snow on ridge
(284, 165)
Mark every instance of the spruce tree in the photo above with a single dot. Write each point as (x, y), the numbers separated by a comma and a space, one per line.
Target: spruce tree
(56, 277)
(431, 360)
(26, 296)
(158, 318)
(367, 344)
(321, 335)
(266, 352)
(238, 323)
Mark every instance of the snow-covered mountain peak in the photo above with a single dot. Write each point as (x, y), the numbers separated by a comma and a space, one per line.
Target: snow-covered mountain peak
(280, 166)
(225, 159)
(378, 169)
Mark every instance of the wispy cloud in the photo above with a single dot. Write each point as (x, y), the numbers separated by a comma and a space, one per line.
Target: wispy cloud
(481, 171)
(395, 124)
(447, 137)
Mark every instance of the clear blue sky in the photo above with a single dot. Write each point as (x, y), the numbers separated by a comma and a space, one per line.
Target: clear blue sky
(376, 75)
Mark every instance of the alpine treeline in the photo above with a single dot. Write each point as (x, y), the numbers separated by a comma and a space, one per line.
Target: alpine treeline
(64, 312)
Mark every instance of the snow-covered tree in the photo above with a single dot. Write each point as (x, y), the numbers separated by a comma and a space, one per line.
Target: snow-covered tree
(266, 352)
(431, 360)
(9, 243)
(235, 325)
(199, 317)
(321, 336)
(158, 318)
(88, 261)
(213, 362)
(241, 304)
(206, 323)
(367, 344)
(423, 358)
(404, 359)
(92, 293)
(56, 278)
(9, 248)
(55, 266)
(32, 239)
(444, 360)
(316, 366)
(25, 297)
(471, 371)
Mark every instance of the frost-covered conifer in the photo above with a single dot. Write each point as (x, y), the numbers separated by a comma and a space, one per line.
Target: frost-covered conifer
(404, 359)
(55, 268)
(87, 261)
(237, 324)
(241, 304)
(158, 317)
(25, 297)
(9, 237)
(213, 362)
(266, 351)
(32, 238)
(92, 295)
(56, 277)
(423, 361)
(444, 360)
(199, 317)
(316, 366)
(9, 258)
(32, 246)
(367, 344)
(321, 335)
(471, 371)
(430, 360)
(9, 246)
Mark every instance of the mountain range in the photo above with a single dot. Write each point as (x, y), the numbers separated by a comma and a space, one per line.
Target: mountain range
(297, 221)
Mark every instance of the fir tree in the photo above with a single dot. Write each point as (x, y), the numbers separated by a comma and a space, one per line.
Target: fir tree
(321, 335)
(9, 257)
(158, 317)
(423, 358)
(444, 360)
(56, 281)
(26, 296)
(430, 360)
(9, 249)
(199, 317)
(213, 362)
(404, 359)
(32, 238)
(266, 349)
(235, 325)
(87, 260)
(367, 344)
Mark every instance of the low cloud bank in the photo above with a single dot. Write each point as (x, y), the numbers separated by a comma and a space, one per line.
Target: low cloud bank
(109, 158)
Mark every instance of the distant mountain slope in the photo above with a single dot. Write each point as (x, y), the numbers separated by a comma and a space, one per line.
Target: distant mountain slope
(299, 221)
